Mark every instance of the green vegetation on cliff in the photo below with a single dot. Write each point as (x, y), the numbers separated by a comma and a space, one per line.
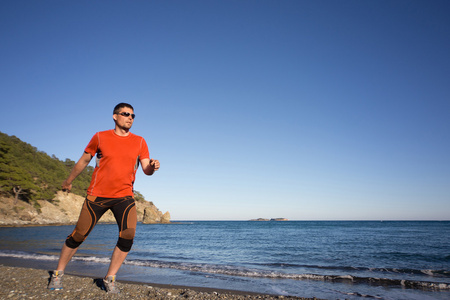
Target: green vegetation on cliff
(29, 174)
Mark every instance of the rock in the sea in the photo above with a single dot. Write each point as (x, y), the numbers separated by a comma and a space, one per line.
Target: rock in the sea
(165, 218)
(152, 216)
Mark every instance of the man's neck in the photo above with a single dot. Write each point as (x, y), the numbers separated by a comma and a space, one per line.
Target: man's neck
(121, 131)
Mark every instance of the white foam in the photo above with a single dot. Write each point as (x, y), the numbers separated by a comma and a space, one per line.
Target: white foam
(29, 256)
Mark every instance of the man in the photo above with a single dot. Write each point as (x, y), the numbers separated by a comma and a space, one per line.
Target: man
(119, 153)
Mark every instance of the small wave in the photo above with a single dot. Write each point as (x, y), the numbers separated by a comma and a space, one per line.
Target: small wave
(38, 256)
(24, 255)
(358, 294)
(431, 273)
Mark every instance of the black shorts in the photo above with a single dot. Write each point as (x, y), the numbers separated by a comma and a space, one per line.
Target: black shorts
(124, 210)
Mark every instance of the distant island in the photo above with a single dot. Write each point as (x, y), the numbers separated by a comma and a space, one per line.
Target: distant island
(274, 219)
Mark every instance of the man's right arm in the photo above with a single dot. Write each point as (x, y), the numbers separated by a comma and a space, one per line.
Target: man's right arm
(77, 169)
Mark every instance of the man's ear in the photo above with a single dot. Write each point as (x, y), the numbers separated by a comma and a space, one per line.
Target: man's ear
(115, 117)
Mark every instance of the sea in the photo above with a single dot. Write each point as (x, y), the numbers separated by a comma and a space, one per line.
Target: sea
(323, 259)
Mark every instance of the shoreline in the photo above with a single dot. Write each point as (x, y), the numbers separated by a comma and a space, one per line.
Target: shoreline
(31, 283)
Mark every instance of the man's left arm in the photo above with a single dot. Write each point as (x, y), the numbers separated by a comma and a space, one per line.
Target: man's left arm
(149, 165)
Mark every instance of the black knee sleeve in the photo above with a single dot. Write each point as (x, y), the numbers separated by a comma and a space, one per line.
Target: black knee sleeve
(124, 244)
(71, 243)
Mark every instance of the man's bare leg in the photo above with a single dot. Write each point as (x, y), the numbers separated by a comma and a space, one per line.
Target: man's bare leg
(117, 259)
(66, 255)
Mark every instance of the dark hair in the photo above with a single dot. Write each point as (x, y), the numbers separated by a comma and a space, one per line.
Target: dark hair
(121, 105)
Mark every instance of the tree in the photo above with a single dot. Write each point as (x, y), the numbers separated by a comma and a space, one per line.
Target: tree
(12, 177)
(17, 191)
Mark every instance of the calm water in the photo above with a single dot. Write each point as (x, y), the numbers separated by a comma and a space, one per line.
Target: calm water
(331, 260)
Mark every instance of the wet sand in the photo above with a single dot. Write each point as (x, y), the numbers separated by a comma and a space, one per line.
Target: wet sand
(27, 283)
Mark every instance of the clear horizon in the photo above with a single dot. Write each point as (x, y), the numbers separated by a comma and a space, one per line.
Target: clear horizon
(301, 109)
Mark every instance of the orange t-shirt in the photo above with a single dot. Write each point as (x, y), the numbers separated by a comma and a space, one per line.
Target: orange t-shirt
(116, 163)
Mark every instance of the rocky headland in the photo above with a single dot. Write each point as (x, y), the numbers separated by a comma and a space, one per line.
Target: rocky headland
(65, 209)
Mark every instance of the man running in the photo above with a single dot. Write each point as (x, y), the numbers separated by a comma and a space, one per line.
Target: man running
(119, 153)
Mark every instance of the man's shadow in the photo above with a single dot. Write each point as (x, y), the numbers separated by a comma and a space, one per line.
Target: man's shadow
(99, 283)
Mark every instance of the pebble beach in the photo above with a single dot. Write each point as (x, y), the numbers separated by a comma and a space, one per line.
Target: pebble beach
(26, 283)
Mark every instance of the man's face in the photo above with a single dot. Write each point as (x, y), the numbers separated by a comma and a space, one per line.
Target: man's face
(121, 118)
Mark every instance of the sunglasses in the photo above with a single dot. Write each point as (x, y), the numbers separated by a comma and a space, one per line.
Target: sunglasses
(127, 114)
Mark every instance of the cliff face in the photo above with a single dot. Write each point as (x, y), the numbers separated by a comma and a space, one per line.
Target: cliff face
(65, 209)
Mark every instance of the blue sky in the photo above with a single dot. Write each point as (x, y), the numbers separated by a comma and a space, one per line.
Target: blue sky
(308, 110)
